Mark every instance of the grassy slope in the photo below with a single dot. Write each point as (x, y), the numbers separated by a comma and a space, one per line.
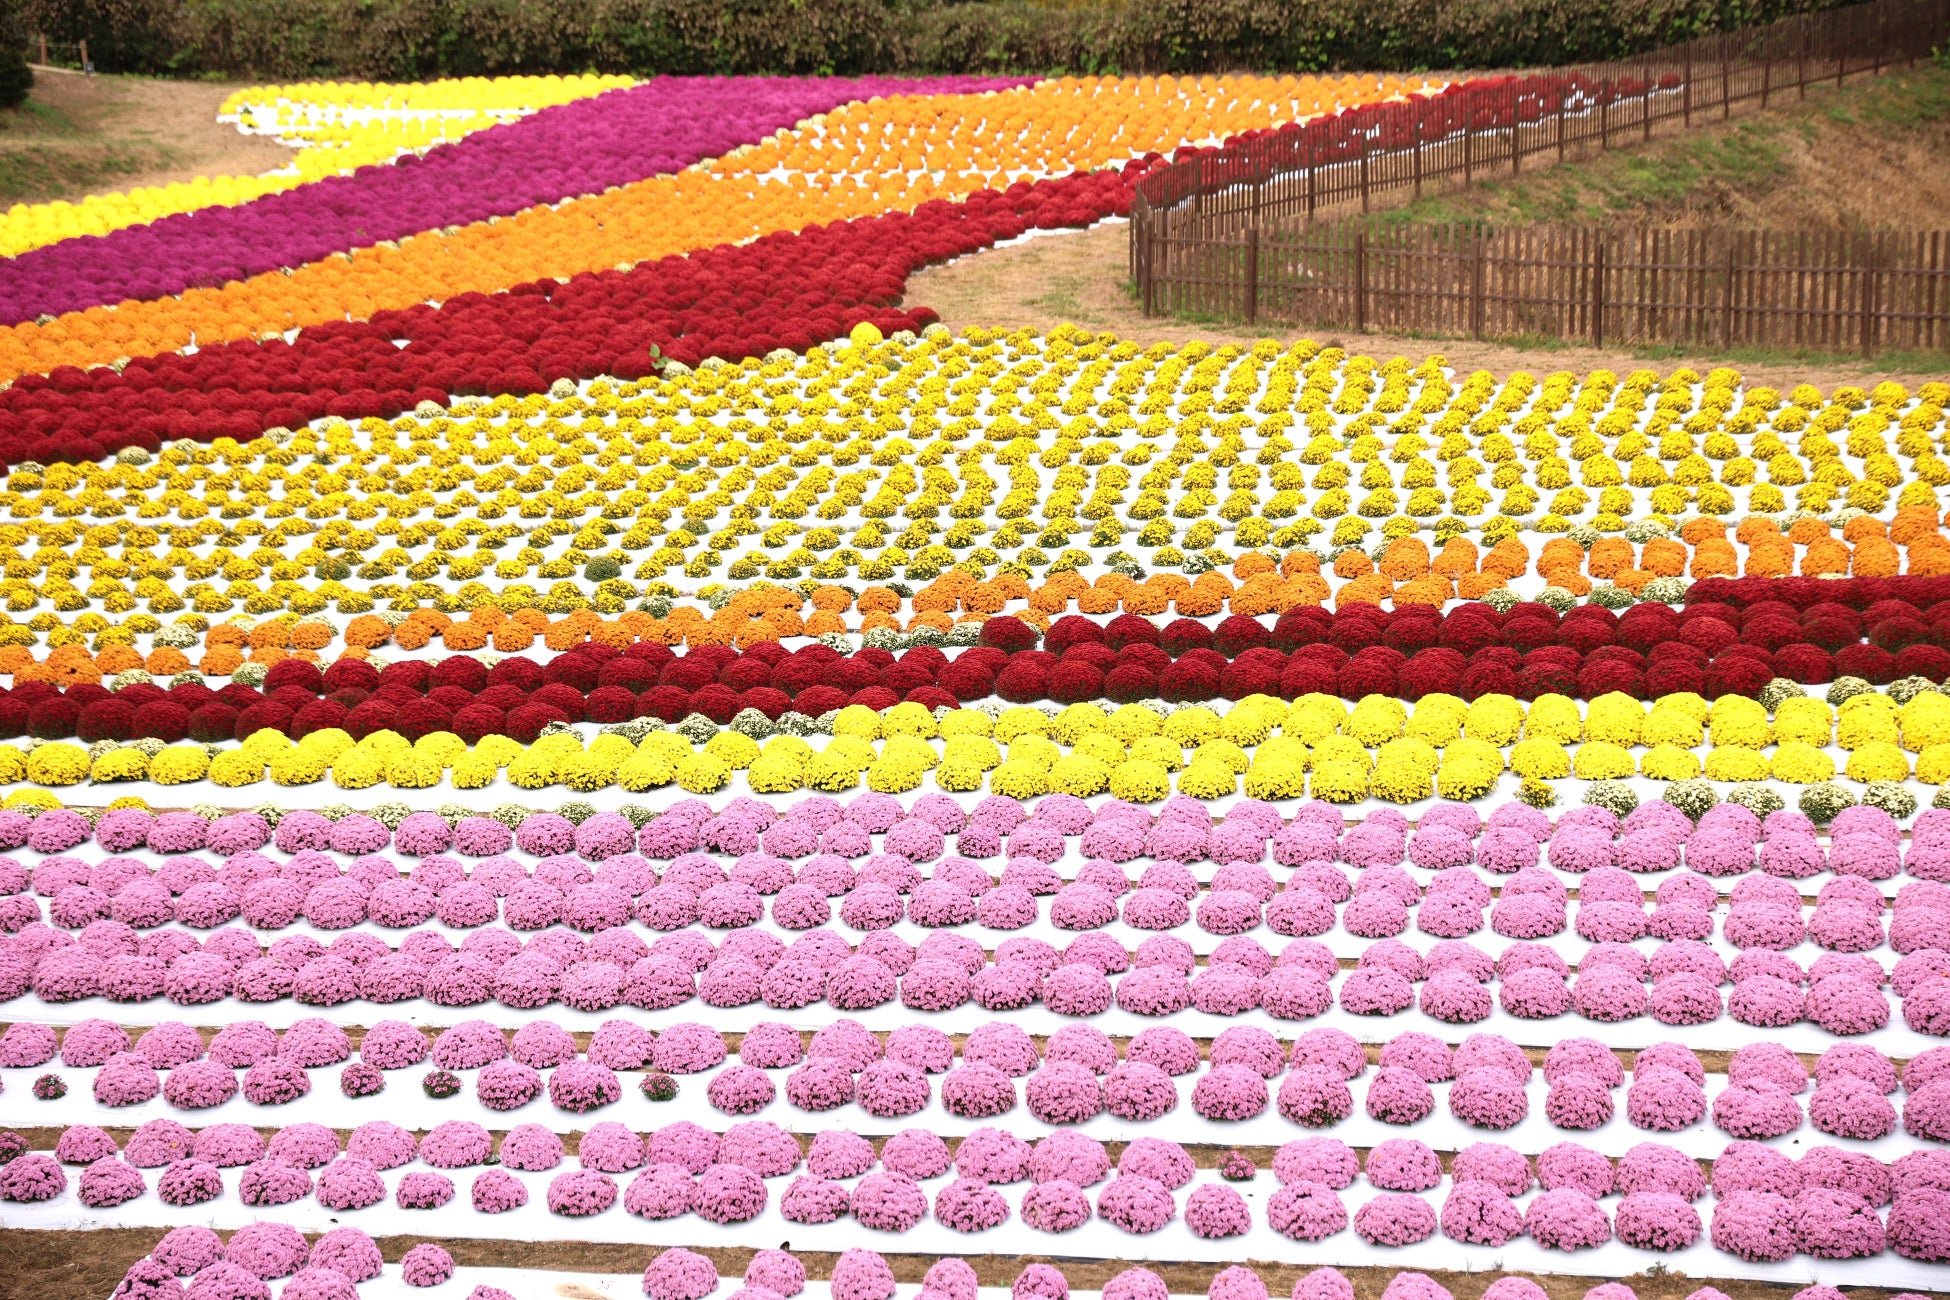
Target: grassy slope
(85, 135)
(1865, 154)
(45, 153)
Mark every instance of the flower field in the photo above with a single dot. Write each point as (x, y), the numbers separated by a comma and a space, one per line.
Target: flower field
(548, 702)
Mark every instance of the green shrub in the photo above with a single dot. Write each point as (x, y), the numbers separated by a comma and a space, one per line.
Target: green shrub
(407, 39)
(16, 78)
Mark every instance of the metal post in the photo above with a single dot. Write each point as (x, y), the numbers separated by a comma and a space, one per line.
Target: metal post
(1361, 282)
(1516, 134)
(1418, 149)
(1598, 293)
(1252, 274)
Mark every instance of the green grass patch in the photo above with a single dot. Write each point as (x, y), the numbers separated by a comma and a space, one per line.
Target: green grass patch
(37, 173)
(34, 120)
(1750, 157)
(46, 153)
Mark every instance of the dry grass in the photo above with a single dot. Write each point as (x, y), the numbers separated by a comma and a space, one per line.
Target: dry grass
(81, 135)
(1861, 156)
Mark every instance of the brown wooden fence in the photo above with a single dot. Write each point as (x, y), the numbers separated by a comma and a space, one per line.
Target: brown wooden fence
(1827, 290)
(1489, 127)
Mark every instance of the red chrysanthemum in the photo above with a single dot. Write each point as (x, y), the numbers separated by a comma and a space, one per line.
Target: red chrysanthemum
(1871, 663)
(1434, 671)
(1008, 633)
(1070, 630)
(1239, 633)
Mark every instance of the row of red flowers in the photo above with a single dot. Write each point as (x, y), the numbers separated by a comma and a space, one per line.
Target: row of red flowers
(1360, 650)
(789, 290)
(1805, 593)
(1476, 105)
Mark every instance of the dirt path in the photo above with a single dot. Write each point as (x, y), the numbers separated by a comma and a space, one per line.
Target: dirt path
(1081, 278)
(83, 135)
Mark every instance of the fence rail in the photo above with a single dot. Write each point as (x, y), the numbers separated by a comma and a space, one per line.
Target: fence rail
(1831, 290)
(42, 52)
(1230, 196)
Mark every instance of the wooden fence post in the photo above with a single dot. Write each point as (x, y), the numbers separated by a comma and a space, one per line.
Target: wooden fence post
(1252, 274)
(1561, 99)
(1598, 292)
(1869, 300)
(1469, 130)
(1361, 282)
(1155, 262)
(1313, 166)
(1801, 76)
(1726, 321)
(43, 49)
(1604, 116)
(1364, 173)
(1645, 106)
(1726, 78)
(1686, 86)
(1476, 289)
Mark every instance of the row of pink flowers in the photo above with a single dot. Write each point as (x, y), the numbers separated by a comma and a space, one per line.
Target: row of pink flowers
(1078, 1078)
(1655, 837)
(238, 1269)
(1768, 1207)
(1841, 991)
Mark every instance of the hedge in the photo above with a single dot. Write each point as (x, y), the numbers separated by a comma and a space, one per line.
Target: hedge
(415, 39)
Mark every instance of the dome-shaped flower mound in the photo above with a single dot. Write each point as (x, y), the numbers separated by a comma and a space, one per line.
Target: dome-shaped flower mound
(1659, 1221)
(1755, 1226)
(1215, 1211)
(1395, 1219)
(889, 1202)
(1306, 1211)
(679, 1274)
(1136, 1204)
(1480, 1213)
(1566, 1219)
